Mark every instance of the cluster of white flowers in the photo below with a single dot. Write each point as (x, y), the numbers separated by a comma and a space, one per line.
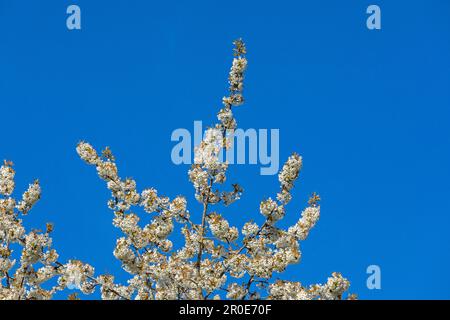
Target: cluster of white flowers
(236, 291)
(309, 218)
(30, 197)
(287, 176)
(76, 275)
(271, 210)
(6, 180)
(250, 229)
(288, 290)
(334, 289)
(220, 228)
(214, 260)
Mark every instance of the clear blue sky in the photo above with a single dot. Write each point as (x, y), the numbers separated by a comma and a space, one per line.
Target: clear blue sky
(368, 110)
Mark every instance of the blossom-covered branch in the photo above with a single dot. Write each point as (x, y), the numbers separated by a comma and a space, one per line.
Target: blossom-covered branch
(217, 260)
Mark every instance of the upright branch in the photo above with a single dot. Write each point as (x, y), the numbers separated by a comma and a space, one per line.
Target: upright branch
(207, 155)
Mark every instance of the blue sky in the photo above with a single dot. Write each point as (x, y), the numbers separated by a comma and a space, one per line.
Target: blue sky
(368, 110)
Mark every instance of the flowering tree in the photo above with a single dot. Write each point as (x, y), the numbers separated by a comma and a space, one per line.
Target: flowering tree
(216, 261)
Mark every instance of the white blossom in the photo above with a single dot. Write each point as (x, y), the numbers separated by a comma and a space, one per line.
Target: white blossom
(309, 218)
(6, 180)
(236, 291)
(30, 197)
(87, 153)
(249, 229)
